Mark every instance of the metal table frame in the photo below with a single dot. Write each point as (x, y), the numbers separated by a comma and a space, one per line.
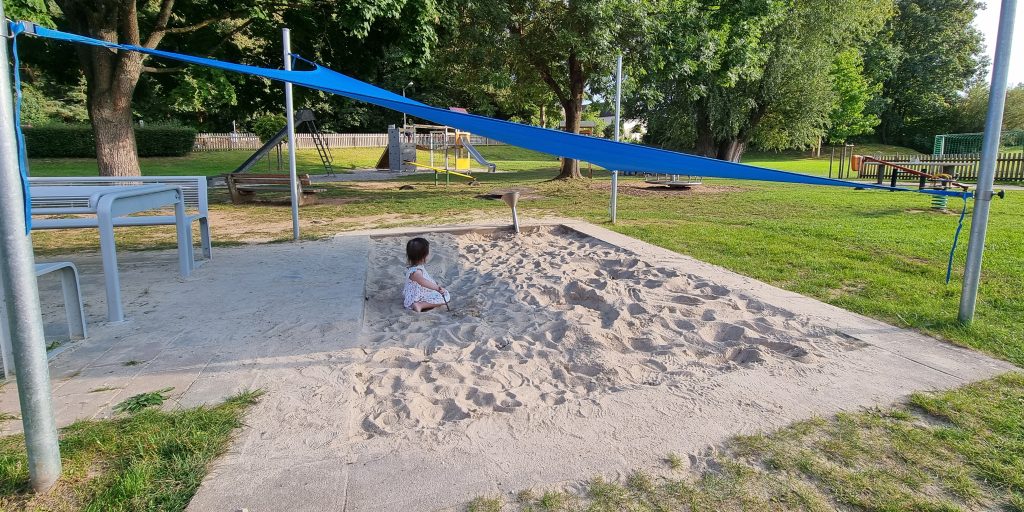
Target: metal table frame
(107, 203)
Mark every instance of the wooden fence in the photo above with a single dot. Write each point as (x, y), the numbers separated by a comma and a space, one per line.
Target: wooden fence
(1009, 166)
(249, 141)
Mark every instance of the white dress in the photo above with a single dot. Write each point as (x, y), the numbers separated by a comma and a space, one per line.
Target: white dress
(413, 292)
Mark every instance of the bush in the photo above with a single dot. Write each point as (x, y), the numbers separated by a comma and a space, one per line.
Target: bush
(267, 125)
(77, 141)
(165, 140)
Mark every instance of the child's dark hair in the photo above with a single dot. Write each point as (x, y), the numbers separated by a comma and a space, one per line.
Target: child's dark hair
(417, 250)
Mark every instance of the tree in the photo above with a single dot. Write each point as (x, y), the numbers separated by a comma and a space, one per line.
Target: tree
(1013, 113)
(853, 92)
(467, 74)
(747, 71)
(972, 109)
(926, 56)
(368, 36)
(111, 77)
(563, 45)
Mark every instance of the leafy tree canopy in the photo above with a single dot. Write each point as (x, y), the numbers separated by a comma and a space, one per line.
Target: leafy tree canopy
(727, 75)
(925, 57)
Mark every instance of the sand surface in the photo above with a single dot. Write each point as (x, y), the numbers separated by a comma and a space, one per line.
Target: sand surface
(553, 318)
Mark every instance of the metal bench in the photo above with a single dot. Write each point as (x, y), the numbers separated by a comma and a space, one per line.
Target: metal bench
(73, 308)
(244, 187)
(193, 188)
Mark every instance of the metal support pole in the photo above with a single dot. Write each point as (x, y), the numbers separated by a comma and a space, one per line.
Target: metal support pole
(842, 158)
(987, 168)
(830, 159)
(618, 104)
(290, 114)
(18, 274)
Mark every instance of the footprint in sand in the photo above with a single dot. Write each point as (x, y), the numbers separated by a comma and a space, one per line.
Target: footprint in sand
(712, 289)
(745, 355)
(722, 332)
(688, 300)
(786, 349)
(685, 325)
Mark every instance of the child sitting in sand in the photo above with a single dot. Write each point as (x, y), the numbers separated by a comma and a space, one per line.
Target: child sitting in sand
(421, 292)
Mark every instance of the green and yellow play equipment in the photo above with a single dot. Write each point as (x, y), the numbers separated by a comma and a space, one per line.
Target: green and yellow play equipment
(450, 151)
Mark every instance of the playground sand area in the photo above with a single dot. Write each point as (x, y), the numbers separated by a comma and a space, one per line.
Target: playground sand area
(570, 351)
(554, 318)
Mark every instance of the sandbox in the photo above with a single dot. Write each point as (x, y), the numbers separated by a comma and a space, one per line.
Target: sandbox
(555, 318)
(570, 351)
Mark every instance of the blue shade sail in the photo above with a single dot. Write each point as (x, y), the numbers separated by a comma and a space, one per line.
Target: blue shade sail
(603, 152)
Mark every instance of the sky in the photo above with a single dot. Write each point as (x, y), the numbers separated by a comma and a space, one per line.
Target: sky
(988, 22)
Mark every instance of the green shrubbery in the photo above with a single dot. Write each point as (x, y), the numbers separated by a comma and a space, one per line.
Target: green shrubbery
(77, 141)
(267, 125)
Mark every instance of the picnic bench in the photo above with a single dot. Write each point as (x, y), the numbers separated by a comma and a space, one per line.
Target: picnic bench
(244, 187)
(105, 205)
(192, 187)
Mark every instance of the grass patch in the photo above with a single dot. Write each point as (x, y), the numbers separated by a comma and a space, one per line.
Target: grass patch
(674, 461)
(142, 401)
(485, 504)
(956, 450)
(152, 460)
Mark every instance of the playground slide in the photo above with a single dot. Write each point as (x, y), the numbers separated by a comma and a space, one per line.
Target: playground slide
(477, 156)
(301, 116)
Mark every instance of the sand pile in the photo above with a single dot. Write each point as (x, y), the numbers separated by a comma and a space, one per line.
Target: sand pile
(554, 318)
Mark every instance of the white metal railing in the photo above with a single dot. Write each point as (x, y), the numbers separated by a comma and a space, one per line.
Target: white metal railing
(249, 141)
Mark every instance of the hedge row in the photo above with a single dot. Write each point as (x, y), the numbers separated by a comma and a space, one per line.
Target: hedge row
(77, 141)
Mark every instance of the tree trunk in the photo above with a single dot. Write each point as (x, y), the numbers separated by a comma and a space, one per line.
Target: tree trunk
(116, 154)
(705, 144)
(111, 76)
(731, 150)
(543, 116)
(573, 115)
(573, 106)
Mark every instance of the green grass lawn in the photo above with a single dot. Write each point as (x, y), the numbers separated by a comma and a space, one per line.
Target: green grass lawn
(881, 254)
(507, 158)
(149, 460)
(212, 163)
(802, 161)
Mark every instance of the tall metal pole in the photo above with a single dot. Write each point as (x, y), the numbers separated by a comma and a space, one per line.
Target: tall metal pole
(405, 117)
(290, 114)
(615, 172)
(18, 273)
(987, 169)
